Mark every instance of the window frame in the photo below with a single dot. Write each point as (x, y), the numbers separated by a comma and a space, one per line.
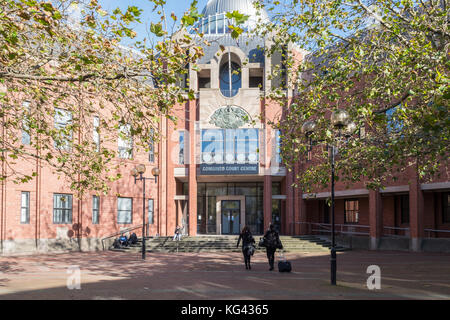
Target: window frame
(66, 212)
(125, 146)
(231, 141)
(66, 141)
(26, 208)
(26, 136)
(404, 218)
(130, 211)
(95, 210)
(151, 209)
(353, 211)
(151, 148)
(96, 132)
(182, 147)
(445, 208)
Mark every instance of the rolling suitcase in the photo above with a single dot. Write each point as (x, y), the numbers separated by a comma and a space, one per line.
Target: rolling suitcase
(283, 264)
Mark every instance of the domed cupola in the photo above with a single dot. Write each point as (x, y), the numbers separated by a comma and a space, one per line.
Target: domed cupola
(214, 19)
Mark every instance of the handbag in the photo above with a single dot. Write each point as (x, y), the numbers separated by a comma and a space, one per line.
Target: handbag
(279, 244)
(262, 242)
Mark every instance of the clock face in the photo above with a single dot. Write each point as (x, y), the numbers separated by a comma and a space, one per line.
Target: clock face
(225, 79)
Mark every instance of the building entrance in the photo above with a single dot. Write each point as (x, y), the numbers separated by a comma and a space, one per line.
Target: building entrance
(231, 213)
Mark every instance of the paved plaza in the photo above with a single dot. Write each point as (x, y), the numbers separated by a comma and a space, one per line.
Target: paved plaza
(199, 276)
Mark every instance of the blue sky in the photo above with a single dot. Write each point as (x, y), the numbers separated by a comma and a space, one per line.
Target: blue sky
(176, 6)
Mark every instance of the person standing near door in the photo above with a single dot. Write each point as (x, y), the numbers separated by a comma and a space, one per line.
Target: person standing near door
(247, 245)
(272, 242)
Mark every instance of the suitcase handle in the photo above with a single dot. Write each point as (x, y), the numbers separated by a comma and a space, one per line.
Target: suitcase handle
(281, 256)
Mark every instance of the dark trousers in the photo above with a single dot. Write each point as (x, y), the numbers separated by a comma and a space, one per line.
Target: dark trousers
(246, 257)
(271, 256)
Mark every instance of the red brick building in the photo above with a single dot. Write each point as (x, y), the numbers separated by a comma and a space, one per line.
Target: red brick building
(220, 169)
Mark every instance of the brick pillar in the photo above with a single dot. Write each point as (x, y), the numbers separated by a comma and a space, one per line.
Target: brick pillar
(171, 185)
(163, 179)
(299, 208)
(192, 170)
(415, 213)
(289, 226)
(267, 201)
(375, 218)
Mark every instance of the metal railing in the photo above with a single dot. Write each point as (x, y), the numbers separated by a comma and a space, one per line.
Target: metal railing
(351, 229)
(125, 230)
(436, 232)
(393, 232)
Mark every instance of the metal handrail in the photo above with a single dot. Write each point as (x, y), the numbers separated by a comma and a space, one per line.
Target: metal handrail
(436, 231)
(395, 228)
(406, 230)
(122, 231)
(326, 227)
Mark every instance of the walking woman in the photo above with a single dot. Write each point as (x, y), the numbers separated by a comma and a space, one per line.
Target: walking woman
(272, 242)
(247, 245)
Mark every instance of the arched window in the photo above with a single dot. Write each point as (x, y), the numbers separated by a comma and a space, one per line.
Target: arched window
(236, 81)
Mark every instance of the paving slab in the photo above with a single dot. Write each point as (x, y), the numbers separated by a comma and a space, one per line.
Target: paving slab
(222, 276)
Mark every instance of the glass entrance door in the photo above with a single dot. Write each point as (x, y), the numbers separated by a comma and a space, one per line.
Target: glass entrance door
(231, 213)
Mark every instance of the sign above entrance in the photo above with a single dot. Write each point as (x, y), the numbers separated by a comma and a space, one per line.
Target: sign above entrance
(228, 169)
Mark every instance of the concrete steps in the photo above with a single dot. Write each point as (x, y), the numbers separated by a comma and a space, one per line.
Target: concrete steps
(225, 243)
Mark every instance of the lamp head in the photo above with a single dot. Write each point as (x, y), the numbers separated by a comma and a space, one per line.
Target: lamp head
(339, 118)
(134, 172)
(350, 129)
(140, 168)
(155, 171)
(308, 127)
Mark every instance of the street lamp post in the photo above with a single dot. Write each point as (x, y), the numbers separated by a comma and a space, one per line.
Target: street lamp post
(139, 171)
(340, 120)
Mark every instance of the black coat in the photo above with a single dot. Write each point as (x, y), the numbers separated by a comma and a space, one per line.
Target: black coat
(247, 240)
(272, 239)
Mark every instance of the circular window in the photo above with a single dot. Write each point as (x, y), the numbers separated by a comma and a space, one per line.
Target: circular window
(225, 88)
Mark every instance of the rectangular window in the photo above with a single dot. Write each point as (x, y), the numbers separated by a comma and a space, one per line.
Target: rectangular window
(95, 209)
(351, 213)
(151, 148)
(26, 138)
(25, 207)
(278, 146)
(125, 142)
(446, 207)
(181, 151)
(230, 146)
(62, 208)
(63, 138)
(150, 211)
(394, 123)
(96, 133)
(124, 210)
(404, 208)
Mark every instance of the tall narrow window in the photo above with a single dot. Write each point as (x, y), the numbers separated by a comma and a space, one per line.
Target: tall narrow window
(25, 207)
(351, 213)
(446, 207)
(181, 152)
(95, 209)
(124, 210)
(151, 147)
(62, 208)
(404, 208)
(63, 120)
(26, 139)
(125, 142)
(277, 146)
(150, 212)
(394, 123)
(96, 133)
